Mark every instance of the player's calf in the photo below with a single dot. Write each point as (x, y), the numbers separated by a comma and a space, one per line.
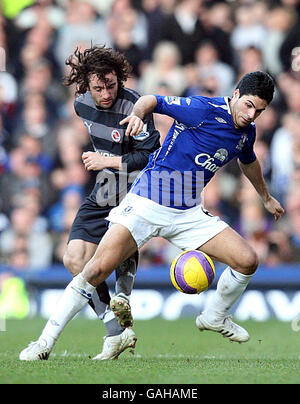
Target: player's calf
(95, 271)
(77, 254)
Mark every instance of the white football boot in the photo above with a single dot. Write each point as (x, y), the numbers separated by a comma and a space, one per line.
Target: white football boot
(36, 350)
(227, 328)
(120, 306)
(115, 345)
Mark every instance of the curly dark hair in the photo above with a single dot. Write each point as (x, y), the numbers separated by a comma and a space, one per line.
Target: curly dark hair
(97, 60)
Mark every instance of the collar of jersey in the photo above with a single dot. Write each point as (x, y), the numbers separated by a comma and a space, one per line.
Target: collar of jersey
(227, 100)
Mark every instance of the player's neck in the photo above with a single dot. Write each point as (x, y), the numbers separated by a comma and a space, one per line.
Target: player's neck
(232, 112)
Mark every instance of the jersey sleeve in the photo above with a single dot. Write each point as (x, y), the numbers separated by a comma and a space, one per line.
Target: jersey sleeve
(248, 156)
(141, 146)
(191, 111)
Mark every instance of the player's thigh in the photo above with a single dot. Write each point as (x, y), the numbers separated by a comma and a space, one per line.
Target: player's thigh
(77, 254)
(115, 247)
(230, 248)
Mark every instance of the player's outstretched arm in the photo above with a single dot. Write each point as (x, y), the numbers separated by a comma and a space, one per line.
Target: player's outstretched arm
(254, 173)
(94, 161)
(144, 105)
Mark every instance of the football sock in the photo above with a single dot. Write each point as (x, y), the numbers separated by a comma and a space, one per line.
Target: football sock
(100, 304)
(100, 300)
(111, 324)
(104, 313)
(75, 297)
(230, 287)
(125, 276)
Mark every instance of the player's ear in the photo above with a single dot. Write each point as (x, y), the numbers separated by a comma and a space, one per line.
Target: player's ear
(236, 93)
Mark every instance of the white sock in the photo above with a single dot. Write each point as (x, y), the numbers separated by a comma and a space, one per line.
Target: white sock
(230, 287)
(100, 308)
(74, 299)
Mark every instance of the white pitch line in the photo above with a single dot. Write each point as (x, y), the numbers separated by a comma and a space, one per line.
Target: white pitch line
(67, 354)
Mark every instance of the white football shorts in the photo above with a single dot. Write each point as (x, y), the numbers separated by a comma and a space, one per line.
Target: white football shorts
(186, 229)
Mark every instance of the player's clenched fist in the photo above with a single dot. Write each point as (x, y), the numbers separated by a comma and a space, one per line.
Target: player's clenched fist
(93, 161)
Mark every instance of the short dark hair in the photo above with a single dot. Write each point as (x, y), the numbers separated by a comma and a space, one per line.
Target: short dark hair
(257, 83)
(97, 60)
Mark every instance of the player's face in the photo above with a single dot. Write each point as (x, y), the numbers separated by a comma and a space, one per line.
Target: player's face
(104, 92)
(246, 109)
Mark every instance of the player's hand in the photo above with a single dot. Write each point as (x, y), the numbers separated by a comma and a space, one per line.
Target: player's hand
(274, 207)
(135, 125)
(93, 161)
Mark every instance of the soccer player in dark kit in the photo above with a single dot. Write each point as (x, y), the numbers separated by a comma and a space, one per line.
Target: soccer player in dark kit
(102, 102)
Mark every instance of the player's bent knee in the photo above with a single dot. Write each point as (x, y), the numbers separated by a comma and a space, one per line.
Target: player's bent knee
(245, 261)
(95, 269)
(248, 262)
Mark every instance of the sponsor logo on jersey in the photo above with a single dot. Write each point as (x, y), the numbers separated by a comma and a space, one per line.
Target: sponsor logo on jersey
(88, 126)
(116, 136)
(206, 161)
(221, 155)
(219, 119)
(106, 154)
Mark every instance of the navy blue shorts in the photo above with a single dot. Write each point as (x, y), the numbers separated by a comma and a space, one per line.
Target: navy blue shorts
(90, 224)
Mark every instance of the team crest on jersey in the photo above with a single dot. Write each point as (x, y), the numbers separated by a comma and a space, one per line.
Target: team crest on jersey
(142, 135)
(221, 155)
(116, 136)
(172, 100)
(242, 142)
(128, 209)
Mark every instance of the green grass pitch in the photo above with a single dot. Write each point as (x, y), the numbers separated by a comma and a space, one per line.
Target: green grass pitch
(166, 353)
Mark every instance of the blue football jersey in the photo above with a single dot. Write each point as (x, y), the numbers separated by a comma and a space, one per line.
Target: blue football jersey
(201, 140)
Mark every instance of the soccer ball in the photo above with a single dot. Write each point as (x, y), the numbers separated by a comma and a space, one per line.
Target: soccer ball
(192, 272)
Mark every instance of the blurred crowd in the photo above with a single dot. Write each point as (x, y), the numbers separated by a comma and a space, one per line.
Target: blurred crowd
(176, 47)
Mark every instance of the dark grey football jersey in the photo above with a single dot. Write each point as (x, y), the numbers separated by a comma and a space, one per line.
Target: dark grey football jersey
(108, 138)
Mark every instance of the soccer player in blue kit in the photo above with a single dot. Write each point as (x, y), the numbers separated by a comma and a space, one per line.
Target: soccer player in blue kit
(207, 133)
